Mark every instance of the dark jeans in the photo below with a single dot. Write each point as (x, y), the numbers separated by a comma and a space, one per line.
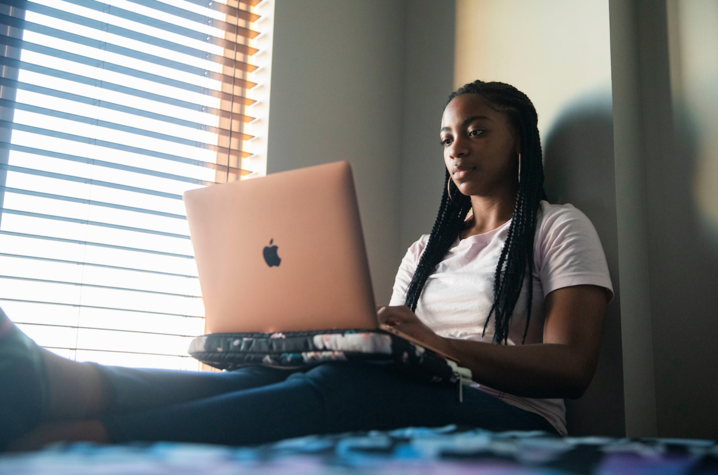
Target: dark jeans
(260, 404)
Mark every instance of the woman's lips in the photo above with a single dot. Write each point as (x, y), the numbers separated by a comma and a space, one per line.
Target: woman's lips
(459, 174)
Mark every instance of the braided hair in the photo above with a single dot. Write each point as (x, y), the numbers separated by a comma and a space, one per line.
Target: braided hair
(518, 251)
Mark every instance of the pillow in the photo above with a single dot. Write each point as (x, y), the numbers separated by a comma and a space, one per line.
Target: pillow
(297, 350)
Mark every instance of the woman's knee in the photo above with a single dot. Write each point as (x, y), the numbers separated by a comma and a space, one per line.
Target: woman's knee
(352, 381)
(345, 373)
(262, 374)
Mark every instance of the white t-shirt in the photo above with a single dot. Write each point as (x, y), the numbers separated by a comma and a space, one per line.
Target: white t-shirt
(458, 295)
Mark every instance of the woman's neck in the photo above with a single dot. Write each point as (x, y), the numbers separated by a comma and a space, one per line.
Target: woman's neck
(488, 214)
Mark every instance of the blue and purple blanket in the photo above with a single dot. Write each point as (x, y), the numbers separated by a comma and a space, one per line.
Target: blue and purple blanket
(446, 450)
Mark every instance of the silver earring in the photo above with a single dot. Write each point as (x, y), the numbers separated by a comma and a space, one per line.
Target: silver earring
(519, 167)
(448, 189)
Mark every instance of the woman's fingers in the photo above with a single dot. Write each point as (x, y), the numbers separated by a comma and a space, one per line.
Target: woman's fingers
(404, 320)
(387, 315)
(394, 315)
(383, 314)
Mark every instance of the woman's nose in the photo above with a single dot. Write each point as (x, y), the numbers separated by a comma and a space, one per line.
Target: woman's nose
(457, 149)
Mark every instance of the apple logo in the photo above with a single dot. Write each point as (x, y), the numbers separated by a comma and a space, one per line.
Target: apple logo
(270, 255)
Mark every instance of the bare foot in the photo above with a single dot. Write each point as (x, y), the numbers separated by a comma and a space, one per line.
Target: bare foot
(76, 390)
(86, 431)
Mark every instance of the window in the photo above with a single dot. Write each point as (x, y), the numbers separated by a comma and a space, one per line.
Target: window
(111, 109)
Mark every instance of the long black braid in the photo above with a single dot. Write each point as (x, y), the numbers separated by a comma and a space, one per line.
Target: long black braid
(518, 251)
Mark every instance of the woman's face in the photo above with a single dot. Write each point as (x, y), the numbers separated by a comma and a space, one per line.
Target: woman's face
(480, 150)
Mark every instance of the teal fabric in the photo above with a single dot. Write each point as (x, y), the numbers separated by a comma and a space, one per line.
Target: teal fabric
(23, 388)
(418, 451)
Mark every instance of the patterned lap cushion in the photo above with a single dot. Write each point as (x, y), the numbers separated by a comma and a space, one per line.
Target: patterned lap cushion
(293, 350)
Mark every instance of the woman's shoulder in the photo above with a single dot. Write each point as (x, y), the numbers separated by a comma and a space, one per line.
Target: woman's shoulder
(421, 243)
(562, 229)
(415, 250)
(554, 211)
(568, 249)
(554, 217)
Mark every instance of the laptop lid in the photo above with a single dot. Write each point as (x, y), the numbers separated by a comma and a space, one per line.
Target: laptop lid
(283, 252)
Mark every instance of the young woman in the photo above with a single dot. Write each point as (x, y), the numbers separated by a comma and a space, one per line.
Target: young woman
(512, 286)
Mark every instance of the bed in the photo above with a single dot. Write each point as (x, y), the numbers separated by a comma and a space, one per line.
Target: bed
(447, 450)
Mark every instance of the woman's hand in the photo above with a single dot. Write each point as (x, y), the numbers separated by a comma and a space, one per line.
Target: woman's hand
(406, 321)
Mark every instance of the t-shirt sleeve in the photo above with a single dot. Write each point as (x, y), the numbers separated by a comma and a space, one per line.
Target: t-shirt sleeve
(570, 252)
(406, 271)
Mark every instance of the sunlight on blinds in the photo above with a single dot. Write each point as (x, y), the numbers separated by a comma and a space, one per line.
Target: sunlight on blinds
(110, 111)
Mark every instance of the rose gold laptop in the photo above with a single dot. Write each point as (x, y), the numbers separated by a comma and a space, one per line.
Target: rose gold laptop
(283, 252)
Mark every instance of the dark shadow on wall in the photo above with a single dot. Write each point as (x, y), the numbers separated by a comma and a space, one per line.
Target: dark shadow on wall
(579, 168)
(684, 287)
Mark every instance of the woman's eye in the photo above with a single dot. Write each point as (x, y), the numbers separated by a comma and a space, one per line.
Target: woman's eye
(476, 132)
(445, 142)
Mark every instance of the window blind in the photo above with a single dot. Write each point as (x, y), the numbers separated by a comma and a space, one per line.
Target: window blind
(110, 110)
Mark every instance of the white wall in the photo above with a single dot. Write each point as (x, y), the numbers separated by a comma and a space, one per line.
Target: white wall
(428, 81)
(337, 94)
(556, 51)
(366, 81)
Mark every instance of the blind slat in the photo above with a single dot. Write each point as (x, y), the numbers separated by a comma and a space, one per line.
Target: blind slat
(230, 10)
(125, 128)
(229, 49)
(90, 202)
(135, 73)
(229, 27)
(115, 351)
(89, 222)
(52, 247)
(104, 104)
(226, 111)
(89, 181)
(107, 287)
(119, 309)
(67, 228)
(106, 46)
(218, 7)
(131, 149)
(92, 264)
(152, 22)
(229, 46)
(106, 164)
(96, 244)
(140, 332)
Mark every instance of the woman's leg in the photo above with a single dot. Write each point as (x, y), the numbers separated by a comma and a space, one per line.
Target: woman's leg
(132, 391)
(23, 392)
(390, 400)
(244, 407)
(39, 387)
(331, 398)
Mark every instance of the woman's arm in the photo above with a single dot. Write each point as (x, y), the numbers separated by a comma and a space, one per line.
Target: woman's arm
(560, 367)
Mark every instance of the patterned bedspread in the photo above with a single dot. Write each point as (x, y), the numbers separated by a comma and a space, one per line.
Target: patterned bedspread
(447, 450)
